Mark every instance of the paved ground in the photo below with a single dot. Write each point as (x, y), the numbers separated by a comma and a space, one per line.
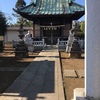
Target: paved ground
(11, 67)
(44, 81)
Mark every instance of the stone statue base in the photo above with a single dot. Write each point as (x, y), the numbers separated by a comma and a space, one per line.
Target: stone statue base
(75, 50)
(75, 54)
(21, 50)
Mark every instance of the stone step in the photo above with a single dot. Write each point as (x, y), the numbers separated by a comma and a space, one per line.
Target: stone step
(8, 45)
(73, 73)
(8, 48)
(8, 51)
(80, 73)
(70, 73)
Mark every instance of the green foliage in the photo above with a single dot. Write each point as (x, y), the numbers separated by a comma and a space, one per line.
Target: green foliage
(3, 24)
(82, 26)
(25, 22)
(20, 3)
(81, 35)
(21, 20)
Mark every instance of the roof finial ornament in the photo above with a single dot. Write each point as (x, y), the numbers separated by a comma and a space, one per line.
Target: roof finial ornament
(20, 4)
(33, 1)
(70, 2)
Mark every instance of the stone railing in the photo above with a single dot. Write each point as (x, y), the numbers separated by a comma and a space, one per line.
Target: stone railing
(61, 42)
(39, 44)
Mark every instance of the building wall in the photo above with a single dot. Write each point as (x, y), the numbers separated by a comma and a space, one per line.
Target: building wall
(12, 33)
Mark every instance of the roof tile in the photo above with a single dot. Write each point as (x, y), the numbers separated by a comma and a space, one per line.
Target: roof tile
(54, 7)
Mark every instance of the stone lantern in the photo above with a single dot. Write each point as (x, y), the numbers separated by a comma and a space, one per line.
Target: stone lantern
(75, 49)
(21, 49)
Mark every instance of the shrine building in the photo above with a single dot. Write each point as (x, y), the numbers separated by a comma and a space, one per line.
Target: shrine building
(52, 19)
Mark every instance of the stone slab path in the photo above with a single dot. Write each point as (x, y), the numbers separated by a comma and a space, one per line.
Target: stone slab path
(41, 80)
(70, 73)
(80, 73)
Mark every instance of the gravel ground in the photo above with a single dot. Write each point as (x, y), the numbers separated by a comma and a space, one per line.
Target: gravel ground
(71, 83)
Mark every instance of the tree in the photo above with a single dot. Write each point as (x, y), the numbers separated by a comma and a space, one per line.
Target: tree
(81, 33)
(82, 26)
(20, 4)
(3, 24)
(25, 22)
(21, 20)
(8, 19)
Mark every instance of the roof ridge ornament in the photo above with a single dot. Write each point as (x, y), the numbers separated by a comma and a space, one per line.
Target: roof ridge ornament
(20, 4)
(34, 1)
(70, 2)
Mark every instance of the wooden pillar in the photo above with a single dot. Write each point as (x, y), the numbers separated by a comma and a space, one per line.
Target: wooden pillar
(62, 32)
(33, 29)
(41, 32)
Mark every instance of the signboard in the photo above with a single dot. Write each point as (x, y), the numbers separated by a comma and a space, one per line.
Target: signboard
(1, 38)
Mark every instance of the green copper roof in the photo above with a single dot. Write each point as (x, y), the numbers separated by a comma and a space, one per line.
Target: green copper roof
(52, 7)
(33, 1)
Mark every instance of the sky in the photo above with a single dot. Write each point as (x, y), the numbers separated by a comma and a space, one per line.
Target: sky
(6, 6)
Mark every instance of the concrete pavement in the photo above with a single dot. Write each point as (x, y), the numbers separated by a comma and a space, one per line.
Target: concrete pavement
(41, 80)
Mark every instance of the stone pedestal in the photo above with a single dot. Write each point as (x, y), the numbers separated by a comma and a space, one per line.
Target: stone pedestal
(75, 54)
(75, 50)
(79, 94)
(21, 50)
